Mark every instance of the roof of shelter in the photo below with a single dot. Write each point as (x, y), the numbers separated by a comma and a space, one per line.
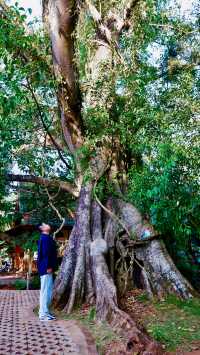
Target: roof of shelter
(24, 227)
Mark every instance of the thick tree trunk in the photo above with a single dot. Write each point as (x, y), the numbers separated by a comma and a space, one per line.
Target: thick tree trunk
(71, 287)
(60, 18)
(106, 295)
(70, 284)
(161, 272)
(158, 271)
(84, 272)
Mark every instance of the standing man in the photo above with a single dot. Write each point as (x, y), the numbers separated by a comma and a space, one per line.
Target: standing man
(47, 263)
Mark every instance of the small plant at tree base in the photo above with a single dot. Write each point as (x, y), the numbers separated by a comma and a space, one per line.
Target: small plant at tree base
(20, 284)
(35, 283)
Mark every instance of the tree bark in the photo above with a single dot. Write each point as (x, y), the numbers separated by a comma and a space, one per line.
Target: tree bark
(63, 185)
(70, 286)
(60, 17)
(71, 289)
(84, 273)
(74, 281)
(106, 294)
(158, 271)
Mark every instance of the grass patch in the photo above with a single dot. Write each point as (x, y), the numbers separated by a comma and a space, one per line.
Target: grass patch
(191, 306)
(101, 331)
(143, 297)
(175, 322)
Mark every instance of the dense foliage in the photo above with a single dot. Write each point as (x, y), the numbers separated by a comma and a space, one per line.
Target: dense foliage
(150, 101)
(28, 113)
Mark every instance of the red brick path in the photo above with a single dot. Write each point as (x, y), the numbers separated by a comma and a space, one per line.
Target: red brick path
(22, 333)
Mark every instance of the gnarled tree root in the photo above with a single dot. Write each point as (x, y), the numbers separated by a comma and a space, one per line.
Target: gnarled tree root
(136, 340)
(162, 276)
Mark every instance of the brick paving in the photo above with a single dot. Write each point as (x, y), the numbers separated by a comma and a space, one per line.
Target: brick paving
(22, 333)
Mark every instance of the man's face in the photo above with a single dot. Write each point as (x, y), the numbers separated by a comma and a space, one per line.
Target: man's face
(45, 228)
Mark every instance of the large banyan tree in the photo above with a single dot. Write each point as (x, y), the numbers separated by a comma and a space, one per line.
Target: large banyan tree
(122, 75)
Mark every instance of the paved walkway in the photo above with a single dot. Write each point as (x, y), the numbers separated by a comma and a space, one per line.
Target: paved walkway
(22, 333)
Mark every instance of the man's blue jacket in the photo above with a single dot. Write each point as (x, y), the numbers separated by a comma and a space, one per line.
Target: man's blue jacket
(47, 254)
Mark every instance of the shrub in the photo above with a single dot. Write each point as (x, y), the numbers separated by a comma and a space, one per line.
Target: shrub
(20, 284)
(35, 283)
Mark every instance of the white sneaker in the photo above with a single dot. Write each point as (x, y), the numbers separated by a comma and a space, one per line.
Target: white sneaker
(51, 316)
(47, 318)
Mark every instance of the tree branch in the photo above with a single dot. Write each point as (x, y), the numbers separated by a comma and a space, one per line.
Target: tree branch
(129, 9)
(51, 204)
(64, 13)
(3, 6)
(113, 21)
(121, 22)
(105, 33)
(63, 185)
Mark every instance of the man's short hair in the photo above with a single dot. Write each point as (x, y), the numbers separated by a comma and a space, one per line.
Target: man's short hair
(38, 226)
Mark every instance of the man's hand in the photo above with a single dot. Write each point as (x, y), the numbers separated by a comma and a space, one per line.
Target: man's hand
(49, 271)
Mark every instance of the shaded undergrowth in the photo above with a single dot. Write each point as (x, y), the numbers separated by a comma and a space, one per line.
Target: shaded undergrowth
(173, 322)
